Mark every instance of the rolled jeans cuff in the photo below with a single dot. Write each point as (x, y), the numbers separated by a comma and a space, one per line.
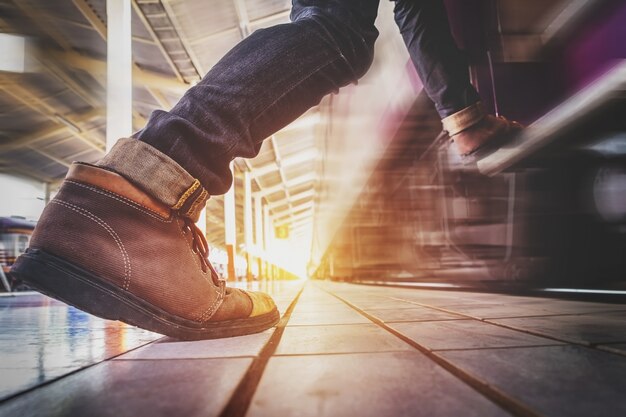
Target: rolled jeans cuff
(463, 119)
(158, 175)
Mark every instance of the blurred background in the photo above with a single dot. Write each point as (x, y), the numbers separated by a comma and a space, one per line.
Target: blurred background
(359, 188)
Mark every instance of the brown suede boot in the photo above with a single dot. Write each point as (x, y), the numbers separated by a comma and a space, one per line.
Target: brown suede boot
(109, 248)
(486, 135)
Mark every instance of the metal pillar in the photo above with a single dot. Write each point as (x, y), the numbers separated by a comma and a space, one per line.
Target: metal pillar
(258, 232)
(247, 222)
(230, 229)
(46, 191)
(266, 241)
(266, 227)
(119, 72)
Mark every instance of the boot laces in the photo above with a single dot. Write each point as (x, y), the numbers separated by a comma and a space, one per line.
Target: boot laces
(199, 244)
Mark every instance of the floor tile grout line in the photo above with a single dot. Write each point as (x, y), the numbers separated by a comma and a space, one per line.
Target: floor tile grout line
(359, 352)
(498, 347)
(240, 400)
(330, 324)
(610, 349)
(589, 345)
(473, 290)
(488, 391)
(590, 313)
(368, 323)
(612, 343)
(465, 315)
(536, 316)
(70, 373)
(185, 359)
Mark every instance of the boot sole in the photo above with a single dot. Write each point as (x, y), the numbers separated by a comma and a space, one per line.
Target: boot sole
(60, 279)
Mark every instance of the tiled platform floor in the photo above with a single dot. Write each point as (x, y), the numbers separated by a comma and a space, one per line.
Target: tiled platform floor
(340, 350)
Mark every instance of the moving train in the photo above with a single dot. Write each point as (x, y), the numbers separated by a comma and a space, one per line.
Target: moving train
(549, 208)
(15, 233)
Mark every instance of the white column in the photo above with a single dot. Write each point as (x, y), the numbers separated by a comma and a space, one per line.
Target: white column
(258, 222)
(267, 227)
(119, 72)
(258, 232)
(269, 267)
(247, 221)
(247, 210)
(46, 190)
(230, 228)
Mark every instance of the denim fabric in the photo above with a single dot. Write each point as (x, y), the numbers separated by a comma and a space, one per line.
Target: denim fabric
(136, 161)
(263, 84)
(276, 74)
(439, 63)
(463, 119)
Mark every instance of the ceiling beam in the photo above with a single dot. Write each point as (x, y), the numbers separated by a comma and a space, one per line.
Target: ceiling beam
(97, 68)
(156, 39)
(36, 104)
(46, 26)
(101, 29)
(91, 16)
(255, 22)
(294, 208)
(301, 221)
(306, 155)
(57, 129)
(302, 179)
(11, 168)
(185, 44)
(213, 36)
(304, 213)
(58, 160)
(271, 18)
(292, 213)
(294, 197)
(90, 27)
(52, 67)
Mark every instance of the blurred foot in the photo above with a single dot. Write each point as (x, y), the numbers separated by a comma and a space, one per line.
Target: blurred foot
(490, 133)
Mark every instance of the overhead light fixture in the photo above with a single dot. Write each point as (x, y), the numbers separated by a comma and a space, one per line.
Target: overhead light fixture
(17, 53)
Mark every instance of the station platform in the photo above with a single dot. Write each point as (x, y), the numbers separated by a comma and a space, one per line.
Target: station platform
(340, 349)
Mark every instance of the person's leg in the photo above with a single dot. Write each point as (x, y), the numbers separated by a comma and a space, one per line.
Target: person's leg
(118, 240)
(444, 72)
(261, 85)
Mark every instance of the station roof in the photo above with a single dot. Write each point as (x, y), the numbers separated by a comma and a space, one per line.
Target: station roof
(56, 114)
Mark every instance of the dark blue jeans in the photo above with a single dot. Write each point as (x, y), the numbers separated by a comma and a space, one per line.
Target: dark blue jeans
(276, 74)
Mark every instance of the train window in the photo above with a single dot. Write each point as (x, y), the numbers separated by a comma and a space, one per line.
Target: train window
(21, 244)
(610, 193)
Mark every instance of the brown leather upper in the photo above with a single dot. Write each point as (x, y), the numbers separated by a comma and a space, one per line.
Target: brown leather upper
(104, 224)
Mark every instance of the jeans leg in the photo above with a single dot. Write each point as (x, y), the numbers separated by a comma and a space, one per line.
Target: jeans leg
(440, 64)
(263, 84)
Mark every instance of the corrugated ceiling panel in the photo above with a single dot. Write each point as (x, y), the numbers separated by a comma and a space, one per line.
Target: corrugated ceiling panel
(258, 9)
(149, 56)
(212, 50)
(200, 18)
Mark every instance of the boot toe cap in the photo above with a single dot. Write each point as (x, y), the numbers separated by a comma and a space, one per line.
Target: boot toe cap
(261, 303)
